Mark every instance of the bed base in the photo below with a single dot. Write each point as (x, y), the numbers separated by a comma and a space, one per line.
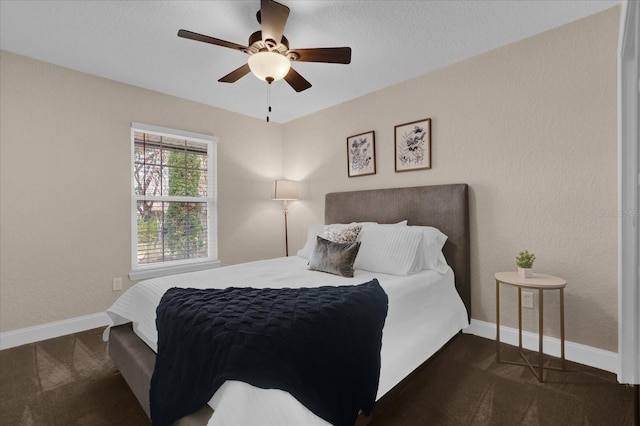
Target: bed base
(136, 361)
(125, 345)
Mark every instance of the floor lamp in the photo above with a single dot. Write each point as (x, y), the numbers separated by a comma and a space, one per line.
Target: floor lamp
(285, 190)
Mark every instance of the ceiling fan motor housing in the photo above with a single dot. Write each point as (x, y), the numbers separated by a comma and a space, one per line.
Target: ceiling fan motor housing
(256, 44)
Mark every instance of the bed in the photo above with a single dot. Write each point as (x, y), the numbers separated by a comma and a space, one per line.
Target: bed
(410, 335)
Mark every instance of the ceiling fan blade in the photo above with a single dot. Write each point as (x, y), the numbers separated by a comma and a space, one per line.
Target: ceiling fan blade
(296, 81)
(273, 18)
(211, 40)
(236, 74)
(333, 55)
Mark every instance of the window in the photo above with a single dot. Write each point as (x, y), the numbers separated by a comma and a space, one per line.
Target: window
(174, 226)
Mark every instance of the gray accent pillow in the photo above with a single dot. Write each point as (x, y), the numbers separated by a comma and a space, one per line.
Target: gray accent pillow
(334, 258)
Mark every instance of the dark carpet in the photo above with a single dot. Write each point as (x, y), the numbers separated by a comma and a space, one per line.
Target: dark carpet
(464, 385)
(70, 380)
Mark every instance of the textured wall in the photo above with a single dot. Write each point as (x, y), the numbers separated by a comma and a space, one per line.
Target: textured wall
(65, 151)
(532, 128)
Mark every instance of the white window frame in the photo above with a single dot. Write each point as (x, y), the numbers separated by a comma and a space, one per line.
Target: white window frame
(151, 270)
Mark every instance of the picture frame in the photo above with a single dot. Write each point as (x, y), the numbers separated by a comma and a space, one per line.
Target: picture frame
(412, 147)
(361, 154)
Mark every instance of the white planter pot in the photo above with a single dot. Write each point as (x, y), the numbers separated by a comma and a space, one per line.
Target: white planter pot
(525, 272)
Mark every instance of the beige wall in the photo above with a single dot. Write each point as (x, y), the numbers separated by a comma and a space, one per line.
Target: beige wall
(65, 186)
(531, 127)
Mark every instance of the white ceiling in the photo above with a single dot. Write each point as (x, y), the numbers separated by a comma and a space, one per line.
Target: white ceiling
(135, 42)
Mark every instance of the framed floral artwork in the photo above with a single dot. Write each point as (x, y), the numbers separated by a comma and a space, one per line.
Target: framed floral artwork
(413, 145)
(361, 154)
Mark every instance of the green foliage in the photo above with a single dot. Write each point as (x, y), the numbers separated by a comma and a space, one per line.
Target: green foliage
(183, 224)
(525, 259)
(184, 174)
(147, 230)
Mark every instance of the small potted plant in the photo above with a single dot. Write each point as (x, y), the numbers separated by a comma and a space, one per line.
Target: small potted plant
(524, 260)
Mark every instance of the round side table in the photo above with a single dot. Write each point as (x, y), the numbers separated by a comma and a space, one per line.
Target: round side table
(538, 282)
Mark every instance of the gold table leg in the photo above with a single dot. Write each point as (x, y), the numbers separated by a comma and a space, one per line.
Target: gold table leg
(497, 321)
(562, 329)
(538, 371)
(540, 334)
(520, 318)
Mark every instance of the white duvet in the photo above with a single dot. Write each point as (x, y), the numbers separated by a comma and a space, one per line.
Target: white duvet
(425, 311)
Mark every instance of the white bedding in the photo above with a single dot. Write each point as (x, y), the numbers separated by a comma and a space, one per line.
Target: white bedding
(425, 311)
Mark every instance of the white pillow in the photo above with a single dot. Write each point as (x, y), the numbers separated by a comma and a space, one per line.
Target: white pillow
(313, 232)
(431, 248)
(389, 250)
(401, 223)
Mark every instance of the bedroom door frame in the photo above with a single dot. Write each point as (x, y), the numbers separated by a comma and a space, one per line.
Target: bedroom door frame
(628, 220)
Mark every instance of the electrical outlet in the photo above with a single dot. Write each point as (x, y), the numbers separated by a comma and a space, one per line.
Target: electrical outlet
(528, 299)
(117, 284)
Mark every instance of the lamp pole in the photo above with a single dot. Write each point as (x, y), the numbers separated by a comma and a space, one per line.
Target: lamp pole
(285, 210)
(285, 190)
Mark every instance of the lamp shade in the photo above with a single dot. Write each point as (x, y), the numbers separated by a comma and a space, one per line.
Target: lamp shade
(269, 66)
(285, 190)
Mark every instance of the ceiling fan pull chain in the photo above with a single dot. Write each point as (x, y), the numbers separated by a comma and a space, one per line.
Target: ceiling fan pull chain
(268, 100)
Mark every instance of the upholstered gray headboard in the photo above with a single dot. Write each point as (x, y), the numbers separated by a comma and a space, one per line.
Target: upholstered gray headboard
(445, 207)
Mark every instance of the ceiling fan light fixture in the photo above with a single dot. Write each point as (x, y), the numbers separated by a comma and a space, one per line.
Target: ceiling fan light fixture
(269, 66)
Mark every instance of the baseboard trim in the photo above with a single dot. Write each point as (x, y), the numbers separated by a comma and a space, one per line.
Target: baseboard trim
(23, 336)
(576, 352)
(587, 355)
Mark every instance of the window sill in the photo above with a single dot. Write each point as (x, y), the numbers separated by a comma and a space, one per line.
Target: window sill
(159, 271)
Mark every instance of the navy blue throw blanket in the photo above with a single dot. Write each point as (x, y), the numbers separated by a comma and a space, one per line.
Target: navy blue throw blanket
(322, 345)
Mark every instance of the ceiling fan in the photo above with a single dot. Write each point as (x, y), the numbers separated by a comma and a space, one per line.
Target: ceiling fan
(269, 54)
